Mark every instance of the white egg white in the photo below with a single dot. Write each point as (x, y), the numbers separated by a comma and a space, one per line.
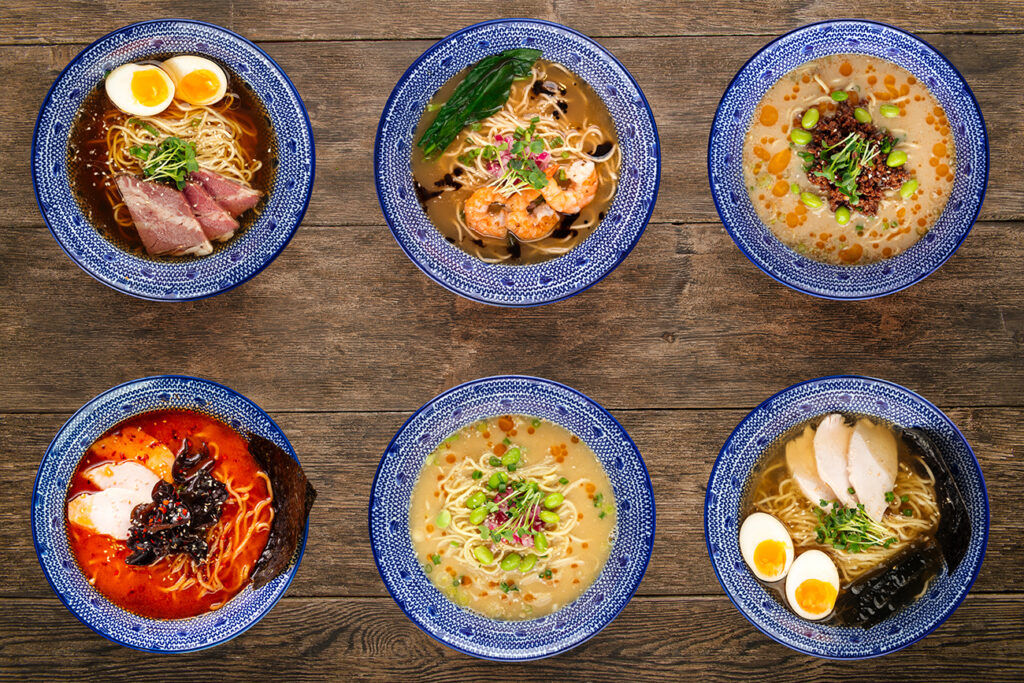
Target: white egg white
(812, 564)
(758, 527)
(119, 89)
(182, 65)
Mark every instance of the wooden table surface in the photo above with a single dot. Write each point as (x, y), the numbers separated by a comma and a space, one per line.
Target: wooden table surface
(342, 337)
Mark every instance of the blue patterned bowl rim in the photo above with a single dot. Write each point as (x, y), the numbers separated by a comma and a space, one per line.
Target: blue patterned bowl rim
(455, 270)
(168, 636)
(186, 279)
(852, 283)
(779, 413)
(487, 397)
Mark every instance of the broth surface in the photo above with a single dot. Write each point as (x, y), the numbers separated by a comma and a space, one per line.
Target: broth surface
(573, 565)
(771, 164)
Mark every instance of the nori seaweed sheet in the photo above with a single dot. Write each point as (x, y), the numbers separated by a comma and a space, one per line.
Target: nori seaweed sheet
(293, 499)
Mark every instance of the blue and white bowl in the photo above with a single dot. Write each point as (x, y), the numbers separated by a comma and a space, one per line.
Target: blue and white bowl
(467, 631)
(607, 245)
(725, 159)
(731, 474)
(49, 532)
(185, 278)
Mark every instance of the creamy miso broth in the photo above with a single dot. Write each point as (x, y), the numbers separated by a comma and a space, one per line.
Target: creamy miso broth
(512, 517)
(874, 126)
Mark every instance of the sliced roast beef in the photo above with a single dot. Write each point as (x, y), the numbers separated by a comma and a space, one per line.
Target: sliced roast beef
(162, 218)
(233, 197)
(216, 222)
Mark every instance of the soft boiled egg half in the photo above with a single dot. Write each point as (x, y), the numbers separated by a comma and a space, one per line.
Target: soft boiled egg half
(812, 585)
(197, 80)
(766, 546)
(140, 89)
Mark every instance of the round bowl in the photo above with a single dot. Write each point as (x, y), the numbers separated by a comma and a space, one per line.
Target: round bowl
(743, 450)
(467, 631)
(755, 239)
(607, 245)
(182, 278)
(49, 519)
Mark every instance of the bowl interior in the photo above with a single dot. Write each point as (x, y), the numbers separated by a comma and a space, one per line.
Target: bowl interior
(744, 449)
(539, 283)
(49, 520)
(183, 278)
(467, 631)
(725, 159)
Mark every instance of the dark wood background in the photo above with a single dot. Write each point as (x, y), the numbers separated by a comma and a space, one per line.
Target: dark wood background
(342, 337)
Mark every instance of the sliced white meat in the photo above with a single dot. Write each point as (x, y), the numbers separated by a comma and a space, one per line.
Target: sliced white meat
(106, 512)
(162, 218)
(874, 462)
(233, 197)
(123, 475)
(804, 469)
(831, 443)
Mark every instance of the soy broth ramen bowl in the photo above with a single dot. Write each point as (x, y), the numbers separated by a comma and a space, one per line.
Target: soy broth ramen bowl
(462, 629)
(726, 159)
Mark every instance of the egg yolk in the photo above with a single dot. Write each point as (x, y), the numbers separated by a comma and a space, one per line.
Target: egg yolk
(149, 87)
(816, 596)
(770, 557)
(198, 86)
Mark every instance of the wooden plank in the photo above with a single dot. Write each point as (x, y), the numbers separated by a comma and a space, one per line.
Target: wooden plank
(340, 451)
(684, 78)
(685, 322)
(653, 639)
(32, 22)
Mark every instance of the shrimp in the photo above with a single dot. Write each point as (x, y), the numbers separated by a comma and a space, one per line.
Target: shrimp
(580, 186)
(487, 212)
(531, 218)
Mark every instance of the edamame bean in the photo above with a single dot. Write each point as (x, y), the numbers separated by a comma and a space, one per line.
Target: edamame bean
(478, 515)
(897, 157)
(511, 562)
(839, 96)
(444, 518)
(909, 188)
(800, 137)
(476, 500)
(794, 188)
(549, 517)
(528, 563)
(811, 201)
(842, 215)
(810, 118)
(889, 111)
(862, 115)
(540, 542)
(511, 457)
(493, 482)
(553, 500)
(483, 554)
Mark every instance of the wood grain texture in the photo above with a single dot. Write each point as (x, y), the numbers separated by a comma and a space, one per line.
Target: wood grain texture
(340, 451)
(653, 639)
(683, 78)
(32, 21)
(342, 337)
(685, 322)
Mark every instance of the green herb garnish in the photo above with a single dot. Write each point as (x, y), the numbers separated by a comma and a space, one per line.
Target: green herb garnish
(171, 160)
(850, 529)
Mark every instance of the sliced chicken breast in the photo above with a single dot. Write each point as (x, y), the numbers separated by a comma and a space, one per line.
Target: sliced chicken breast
(131, 443)
(106, 512)
(804, 469)
(123, 475)
(831, 443)
(873, 462)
